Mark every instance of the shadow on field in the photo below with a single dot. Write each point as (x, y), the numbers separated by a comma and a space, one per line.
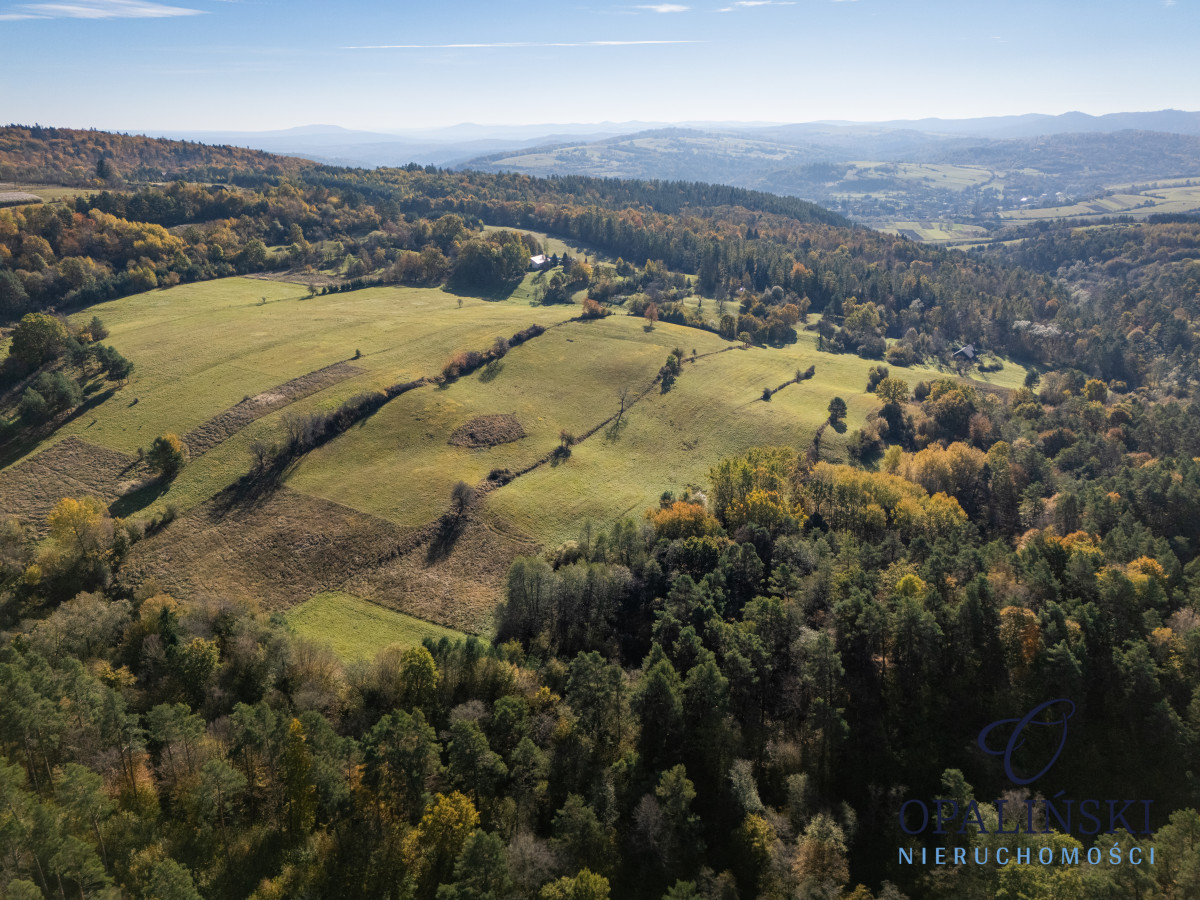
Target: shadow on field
(493, 293)
(445, 536)
(138, 499)
(27, 438)
(613, 431)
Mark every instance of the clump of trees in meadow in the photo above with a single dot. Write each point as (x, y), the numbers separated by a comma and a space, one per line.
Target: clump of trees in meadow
(49, 365)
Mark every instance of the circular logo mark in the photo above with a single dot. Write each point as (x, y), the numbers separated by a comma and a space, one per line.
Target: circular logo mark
(1017, 739)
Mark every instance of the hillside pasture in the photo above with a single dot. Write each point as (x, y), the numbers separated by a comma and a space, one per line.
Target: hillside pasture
(369, 513)
(283, 546)
(670, 441)
(12, 194)
(204, 352)
(937, 232)
(1135, 200)
(401, 464)
(200, 349)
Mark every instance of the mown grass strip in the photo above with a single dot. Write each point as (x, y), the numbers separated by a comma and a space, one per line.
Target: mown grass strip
(358, 629)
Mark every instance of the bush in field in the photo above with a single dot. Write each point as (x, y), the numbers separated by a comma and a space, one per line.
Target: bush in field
(593, 310)
(901, 354)
(166, 456)
(33, 407)
(874, 376)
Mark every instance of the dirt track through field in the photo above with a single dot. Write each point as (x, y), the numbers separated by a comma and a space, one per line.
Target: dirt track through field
(490, 485)
(224, 425)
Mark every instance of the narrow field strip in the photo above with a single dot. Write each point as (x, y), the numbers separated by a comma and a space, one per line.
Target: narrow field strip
(228, 423)
(359, 629)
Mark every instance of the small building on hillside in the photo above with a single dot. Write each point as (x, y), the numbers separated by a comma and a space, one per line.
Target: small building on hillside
(538, 262)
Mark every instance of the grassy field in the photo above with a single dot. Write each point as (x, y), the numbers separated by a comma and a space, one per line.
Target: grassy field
(201, 348)
(670, 441)
(358, 629)
(937, 232)
(48, 192)
(399, 464)
(1139, 201)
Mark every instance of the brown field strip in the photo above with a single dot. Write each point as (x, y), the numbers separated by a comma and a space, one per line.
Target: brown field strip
(286, 547)
(224, 425)
(72, 467)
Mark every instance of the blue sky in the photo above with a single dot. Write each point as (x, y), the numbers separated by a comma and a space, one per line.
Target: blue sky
(264, 64)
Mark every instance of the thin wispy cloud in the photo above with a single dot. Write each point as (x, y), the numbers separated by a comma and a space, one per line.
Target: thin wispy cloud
(751, 4)
(665, 8)
(513, 44)
(97, 9)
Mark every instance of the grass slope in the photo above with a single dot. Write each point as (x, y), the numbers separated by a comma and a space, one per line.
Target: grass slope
(670, 441)
(400, 465)
(358, 629)
(201, 348)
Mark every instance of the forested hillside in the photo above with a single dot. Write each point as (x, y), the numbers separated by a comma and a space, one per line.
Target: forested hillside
(1136, 287)
(99, 158)
(735, 690)
(883, 175)
(370, 224)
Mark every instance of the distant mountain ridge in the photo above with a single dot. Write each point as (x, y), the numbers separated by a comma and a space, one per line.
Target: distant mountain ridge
(459, 144)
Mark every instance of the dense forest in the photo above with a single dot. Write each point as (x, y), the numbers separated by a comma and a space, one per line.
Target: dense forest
(732, 694)
(1135, 291)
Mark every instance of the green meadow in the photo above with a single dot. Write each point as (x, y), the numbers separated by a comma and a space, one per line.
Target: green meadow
(670, 441)
(399, 463)
(358, 629)
(199, 349)
(202, 348)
